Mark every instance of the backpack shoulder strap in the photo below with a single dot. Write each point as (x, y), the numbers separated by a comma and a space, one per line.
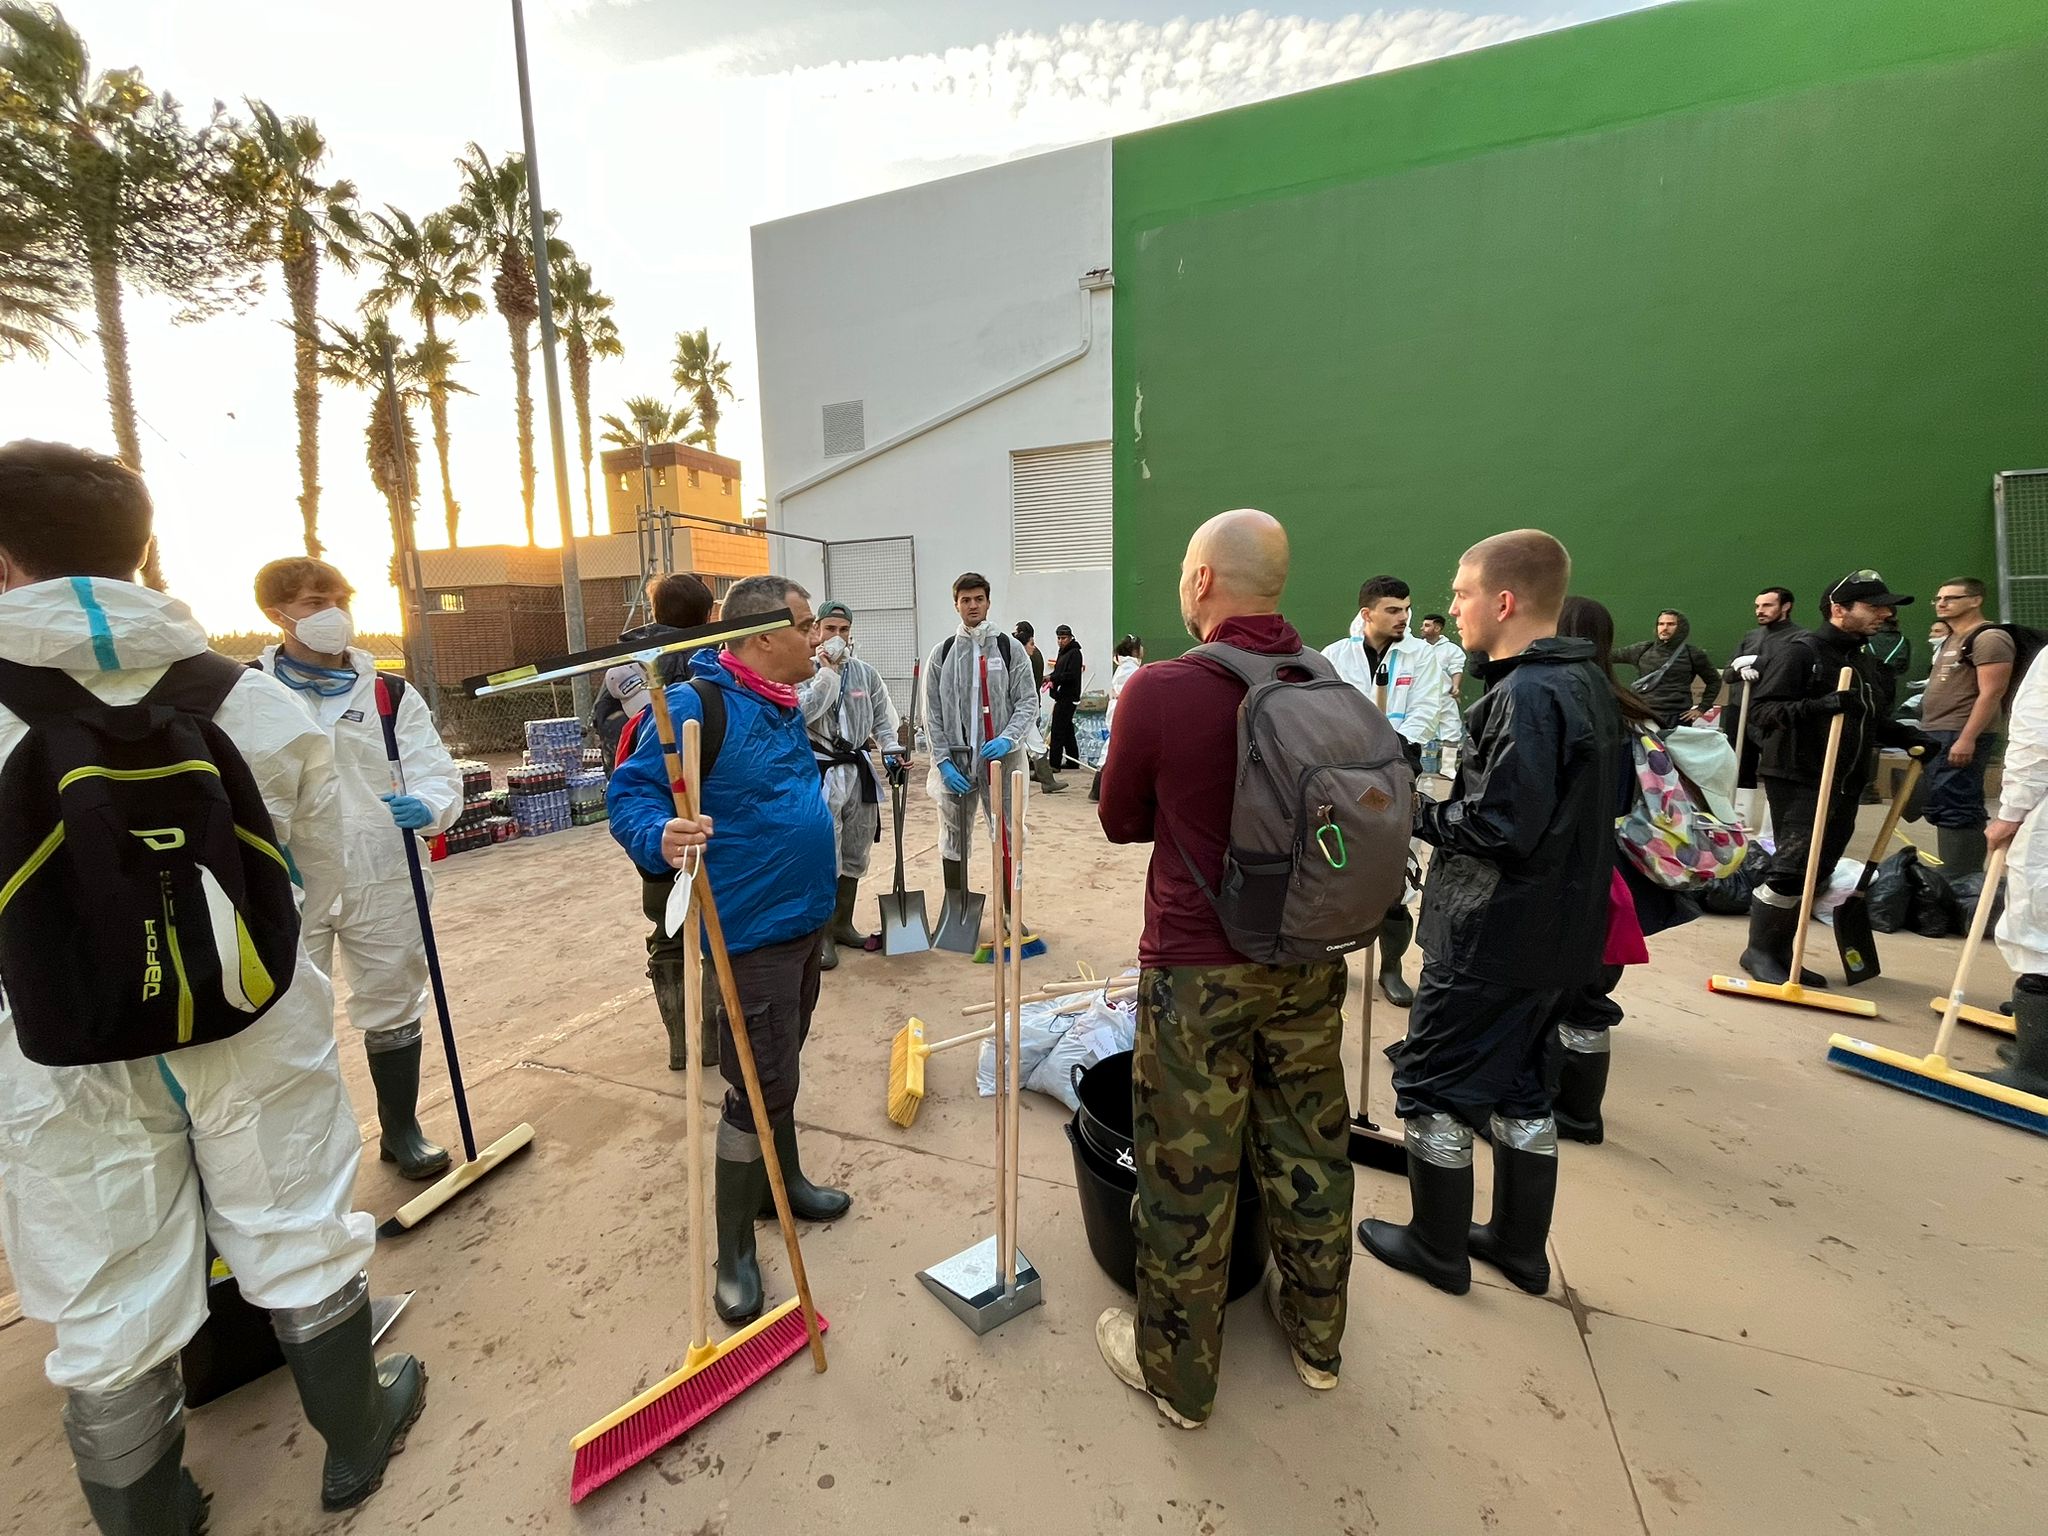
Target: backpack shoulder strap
(711, 699)
(945, 650)
(37, 694)
(1253, 668)
(198, 685)
(1003, 645)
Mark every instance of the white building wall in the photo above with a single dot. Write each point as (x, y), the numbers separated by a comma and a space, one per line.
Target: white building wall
(917, 303)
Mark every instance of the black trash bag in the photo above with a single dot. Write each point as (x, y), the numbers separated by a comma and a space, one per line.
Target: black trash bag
(1969, 890)
(1891, 893)
(1936, 914)
(1729, 896)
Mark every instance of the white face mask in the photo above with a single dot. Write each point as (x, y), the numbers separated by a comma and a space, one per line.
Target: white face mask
(327, 632)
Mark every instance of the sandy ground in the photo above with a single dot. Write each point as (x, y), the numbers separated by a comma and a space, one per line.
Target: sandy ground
(1787, 1299)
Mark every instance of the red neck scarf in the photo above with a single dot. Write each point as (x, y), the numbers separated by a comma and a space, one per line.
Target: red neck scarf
(754, 682)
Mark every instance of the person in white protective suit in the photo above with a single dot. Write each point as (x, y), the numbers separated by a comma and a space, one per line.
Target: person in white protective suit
(2023, 929)
(1419, 705)
(954, 699)
(863, 720)
(374, 922)
(117, 1174)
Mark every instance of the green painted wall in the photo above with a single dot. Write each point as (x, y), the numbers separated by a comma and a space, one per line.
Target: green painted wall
(1726, 294)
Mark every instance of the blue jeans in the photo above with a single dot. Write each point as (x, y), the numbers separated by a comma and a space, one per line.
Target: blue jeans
(1955, 792)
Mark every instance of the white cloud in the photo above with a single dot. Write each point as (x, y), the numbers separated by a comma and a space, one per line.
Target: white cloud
(659, 170)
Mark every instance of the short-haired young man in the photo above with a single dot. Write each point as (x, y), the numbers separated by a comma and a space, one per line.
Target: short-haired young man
(1795, 697)
(375, 924)
(1774, 621)
(1965, 696)
(1233, 1060)
(1513, 917)
(678, 601)
(117, 1173)
(863, 722)
(1417, 704)
(1453, 654)
(771, 864)
(975, 671)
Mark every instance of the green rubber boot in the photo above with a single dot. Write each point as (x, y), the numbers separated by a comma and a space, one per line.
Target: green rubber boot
(739, 1187)
(807, 1201)
(362, 1406)
(395, 1074)
(842, 928)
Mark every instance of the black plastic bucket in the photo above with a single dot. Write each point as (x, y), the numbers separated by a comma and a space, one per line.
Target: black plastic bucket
(1108, 1181)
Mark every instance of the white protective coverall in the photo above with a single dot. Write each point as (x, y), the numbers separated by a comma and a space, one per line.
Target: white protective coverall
(373, 919)
(952, 712)
(2023, 929)
(864, 715)
(115, 1175)
(1419, 703)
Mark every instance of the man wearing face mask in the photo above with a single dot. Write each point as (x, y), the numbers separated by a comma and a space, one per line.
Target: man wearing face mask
(374, 922)
(865, 719)
(976, 678)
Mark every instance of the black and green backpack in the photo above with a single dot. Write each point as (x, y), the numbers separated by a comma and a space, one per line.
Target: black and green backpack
(144, 903)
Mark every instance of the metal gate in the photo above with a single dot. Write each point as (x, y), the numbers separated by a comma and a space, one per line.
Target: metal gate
(2020, 497)
(877, 579)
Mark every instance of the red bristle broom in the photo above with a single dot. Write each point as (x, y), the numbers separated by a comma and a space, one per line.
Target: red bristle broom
(712, 1375)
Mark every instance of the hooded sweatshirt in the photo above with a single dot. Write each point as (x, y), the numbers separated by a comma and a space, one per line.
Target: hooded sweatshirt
(1666, 669)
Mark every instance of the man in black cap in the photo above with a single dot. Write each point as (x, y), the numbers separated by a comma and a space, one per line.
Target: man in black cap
(1796, 695)
(1066, 694)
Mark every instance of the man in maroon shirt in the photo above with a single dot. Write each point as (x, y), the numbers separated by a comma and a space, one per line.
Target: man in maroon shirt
(1231, 1056)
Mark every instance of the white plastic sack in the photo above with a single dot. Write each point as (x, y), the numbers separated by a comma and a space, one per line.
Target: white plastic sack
(1841, 885)
(1054, 1043)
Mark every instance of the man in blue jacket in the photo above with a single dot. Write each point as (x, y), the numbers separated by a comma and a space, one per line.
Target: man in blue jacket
(771, 862)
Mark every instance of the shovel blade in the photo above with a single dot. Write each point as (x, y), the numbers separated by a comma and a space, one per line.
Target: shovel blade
(904, 929)
(1372, 1147)
(960, 922)
(1855, 941)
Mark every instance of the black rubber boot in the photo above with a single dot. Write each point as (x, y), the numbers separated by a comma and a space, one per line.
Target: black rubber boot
(396, 1077)
(709, 1011)
(1580, 1089)
(1433, 1244)
(1396, 933)
(1769, 957)
(164, 1501)
(1524, 1194)
(842, 927)
(668, 979)
(361, 1406)
(807, 1201)
(1961, 850)
(2027, 1065)
(739, 1189)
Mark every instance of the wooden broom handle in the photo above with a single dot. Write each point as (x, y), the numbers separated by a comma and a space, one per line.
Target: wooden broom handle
(1898, 808)
(997, 894)
(1012, 1154)
(736, 1018)
(1820, 829)
(1994, 872)
(693, 1109)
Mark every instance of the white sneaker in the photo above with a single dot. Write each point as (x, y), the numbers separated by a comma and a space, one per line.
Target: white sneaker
(1316, 1380)
(1116, 1335)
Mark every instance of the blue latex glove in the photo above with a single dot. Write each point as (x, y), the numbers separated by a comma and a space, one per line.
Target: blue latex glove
(1001, 747)
(951, 776)
(409, 811)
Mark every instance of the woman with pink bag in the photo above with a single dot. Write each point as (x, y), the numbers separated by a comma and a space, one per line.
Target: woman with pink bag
(1636, 908)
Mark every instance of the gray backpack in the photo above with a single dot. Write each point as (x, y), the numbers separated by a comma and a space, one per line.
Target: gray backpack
(1319, 827)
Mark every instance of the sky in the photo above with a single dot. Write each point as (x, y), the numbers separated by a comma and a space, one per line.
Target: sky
(666, 129)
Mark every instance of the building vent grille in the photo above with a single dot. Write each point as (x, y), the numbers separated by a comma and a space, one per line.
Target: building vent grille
(1060, 508)
(845, 428)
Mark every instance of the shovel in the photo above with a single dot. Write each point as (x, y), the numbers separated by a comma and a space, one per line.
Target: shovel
(1854, 939)
(960, 919)
(904, 929)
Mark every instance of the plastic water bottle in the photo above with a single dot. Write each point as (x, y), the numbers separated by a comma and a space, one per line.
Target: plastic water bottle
(1433, 757)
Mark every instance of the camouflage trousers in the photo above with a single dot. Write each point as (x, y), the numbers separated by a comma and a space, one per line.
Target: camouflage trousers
(1232, 1060)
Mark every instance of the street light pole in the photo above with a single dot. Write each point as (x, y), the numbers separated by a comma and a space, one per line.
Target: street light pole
(572, 581)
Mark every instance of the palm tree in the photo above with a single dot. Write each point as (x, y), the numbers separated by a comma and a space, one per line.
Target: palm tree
(421, 265)
(648, 421)
(700, 374)
(356, 358)
(493, 223)
(582, 315)
(292, 215)
(120, 190)
(37, 293)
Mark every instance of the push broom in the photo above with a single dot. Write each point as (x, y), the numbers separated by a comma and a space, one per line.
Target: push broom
(908, 1051)
(712, 1375)
(1931, 1076)
(1790, 990)
(474, 1165)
